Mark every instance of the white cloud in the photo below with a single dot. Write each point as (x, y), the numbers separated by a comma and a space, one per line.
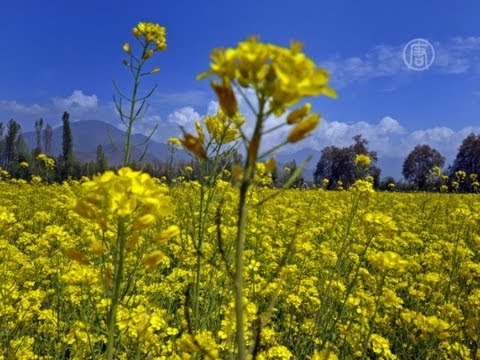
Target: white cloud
(380, 135)
(388, 137)
(457, 55)
(380, 61)
(389, 125)
(213, 107)
(79, 105)
(146, 125)
(78, 100)
(184, 117)
(444, 139)
(17, 108)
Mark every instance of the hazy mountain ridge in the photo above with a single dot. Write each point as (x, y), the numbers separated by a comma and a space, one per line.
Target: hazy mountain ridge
(88, 134)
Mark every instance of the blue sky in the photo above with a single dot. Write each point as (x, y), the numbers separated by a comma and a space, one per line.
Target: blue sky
(63, 55)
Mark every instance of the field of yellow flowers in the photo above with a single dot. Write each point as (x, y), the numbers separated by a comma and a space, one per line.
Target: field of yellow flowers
(347, 274)
(123, 266)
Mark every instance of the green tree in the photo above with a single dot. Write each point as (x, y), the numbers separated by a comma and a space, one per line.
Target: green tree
(38, 136)
(13, 132)
(22, 154)
(468, 160)
(468, 156)
(338, 164)
(2, 143)
(418, 164)
(386, 182)
(47, 138)
(335, 164)
(67, 147)
(101, 163)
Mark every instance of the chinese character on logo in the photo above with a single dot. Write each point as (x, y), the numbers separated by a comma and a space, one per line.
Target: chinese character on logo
(418, 54)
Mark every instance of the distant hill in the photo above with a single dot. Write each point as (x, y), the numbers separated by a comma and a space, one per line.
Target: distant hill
(88, 134)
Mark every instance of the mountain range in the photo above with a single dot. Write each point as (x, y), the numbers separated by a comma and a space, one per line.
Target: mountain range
(88, 134)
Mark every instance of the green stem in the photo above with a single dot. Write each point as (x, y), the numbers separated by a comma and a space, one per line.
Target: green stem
(126, 159)
(198, 266)
(239, 265)
(133, 102)
(252, 154)
(170, 165)
(205, 202)
(117, 276)
(372, 320)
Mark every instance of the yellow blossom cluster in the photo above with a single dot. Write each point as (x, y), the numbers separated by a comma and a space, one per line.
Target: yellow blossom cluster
(362, 160)
(283, 75)
(126, 194)
(222, 128)
(48, 162)
(151, 32)
(173, 141)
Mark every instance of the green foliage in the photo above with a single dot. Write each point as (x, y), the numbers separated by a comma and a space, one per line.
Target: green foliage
(418, 164)
(38, 136)
(68, 160)
(101, 163)
(338, 164)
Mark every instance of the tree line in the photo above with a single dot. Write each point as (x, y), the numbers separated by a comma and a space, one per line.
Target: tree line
(23, 163)
(423, 168)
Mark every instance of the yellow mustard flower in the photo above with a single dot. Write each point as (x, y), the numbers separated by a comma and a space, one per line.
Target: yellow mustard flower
(151, 32)
(282, 75)
(362, 160)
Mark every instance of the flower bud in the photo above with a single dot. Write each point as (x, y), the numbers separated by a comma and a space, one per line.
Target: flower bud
(168, 234)
(147, 54)
(226, 98)
(136, 32)
(194, 145)
(77, 256)
(303, 128)
(237, 172)
(144, 221)
(271, 164)
(152, 260)
(298, 114)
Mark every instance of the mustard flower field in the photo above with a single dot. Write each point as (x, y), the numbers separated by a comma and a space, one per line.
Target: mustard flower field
(217, 263)
(328, 275)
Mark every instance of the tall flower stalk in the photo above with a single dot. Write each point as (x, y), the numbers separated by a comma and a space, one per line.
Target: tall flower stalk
(151, 39)
(216, 140)
(280, 78)
(131, 199)
(126, 203)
